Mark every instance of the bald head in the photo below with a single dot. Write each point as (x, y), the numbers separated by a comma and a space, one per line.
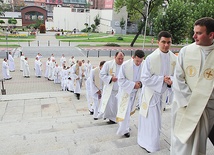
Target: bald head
(119, 57)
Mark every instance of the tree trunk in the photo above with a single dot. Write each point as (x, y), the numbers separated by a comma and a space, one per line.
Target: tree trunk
(136, 36)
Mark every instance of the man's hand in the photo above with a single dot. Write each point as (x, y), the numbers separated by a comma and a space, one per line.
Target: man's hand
(138, 85)
(99, 92)
(167, 80)
(114, 79)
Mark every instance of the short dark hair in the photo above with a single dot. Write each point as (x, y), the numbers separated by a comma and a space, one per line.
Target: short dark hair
(139, 53)
(102, 63)
(165, 34)
(208, 22)
(118, 53)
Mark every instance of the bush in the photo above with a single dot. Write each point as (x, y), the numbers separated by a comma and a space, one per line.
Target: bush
(112, 44)
(119, 38)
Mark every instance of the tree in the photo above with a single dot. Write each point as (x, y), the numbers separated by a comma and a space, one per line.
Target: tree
(93, 26)
(1, 8)
(174, 20)
(122, 24)
(179, 21)
(137, 10)
(204, 8)
(97, 20)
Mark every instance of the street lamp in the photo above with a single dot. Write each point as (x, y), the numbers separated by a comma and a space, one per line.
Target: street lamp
(147, 13)
(7, 45)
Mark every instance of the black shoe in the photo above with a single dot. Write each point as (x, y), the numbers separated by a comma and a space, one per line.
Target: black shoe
(95, 118)
(91, 112)
(72, 91)
(164, 109)
(78, 96)
(111, 122)
(127, 135)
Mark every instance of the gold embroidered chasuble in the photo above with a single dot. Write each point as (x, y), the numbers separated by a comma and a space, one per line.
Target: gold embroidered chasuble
(155, 68)
(188, 117)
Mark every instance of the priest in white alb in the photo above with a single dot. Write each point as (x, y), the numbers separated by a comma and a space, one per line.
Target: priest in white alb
(38, 68)
(193, 104)
(129, 91)
(96, 85)
(156, 78)
(11, 62)
(5, 70)
(109, 75)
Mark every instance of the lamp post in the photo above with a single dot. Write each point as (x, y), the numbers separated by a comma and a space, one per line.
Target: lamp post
(147, 13)
(7, 46)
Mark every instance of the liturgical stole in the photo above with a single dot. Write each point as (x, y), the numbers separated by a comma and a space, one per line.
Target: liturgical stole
(155, 67)
(108, 87)
(124, 97)
(201, 85)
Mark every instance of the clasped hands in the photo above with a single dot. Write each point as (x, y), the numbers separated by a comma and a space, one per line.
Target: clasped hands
(137, 85)
(167, 80)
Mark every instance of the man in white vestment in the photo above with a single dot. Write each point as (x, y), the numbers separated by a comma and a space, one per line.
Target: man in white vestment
(64, 78)
(71, 61)
(57, 74)
(11, 62)
(156, 78)
(70, 83)
(62, 60)
(22, 58)
(78, 76)
(52, 57)
(47, 65)
(51, 70)
(109, 75)
(88, 69)
(89, 97)
(96, 85)
(38, 68)
(193, 103)
(26, 69)
(5, 70)
(129, 91)
(39, 56)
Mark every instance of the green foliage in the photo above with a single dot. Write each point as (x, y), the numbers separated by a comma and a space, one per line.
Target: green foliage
(202, 9)
(2, 22)
(175, 20)
(122, 23)
(112, 44)
(180, 17)
(97, 20)
(38, 23)
(93, 26)
(120, 38)
(12, 21)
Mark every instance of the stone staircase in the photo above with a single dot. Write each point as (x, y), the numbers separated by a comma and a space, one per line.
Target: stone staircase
(56, 123)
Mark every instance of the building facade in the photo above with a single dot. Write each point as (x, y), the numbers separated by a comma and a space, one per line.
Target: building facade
(73, 19)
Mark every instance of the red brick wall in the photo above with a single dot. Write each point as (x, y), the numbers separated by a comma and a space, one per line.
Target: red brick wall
(29, 9)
